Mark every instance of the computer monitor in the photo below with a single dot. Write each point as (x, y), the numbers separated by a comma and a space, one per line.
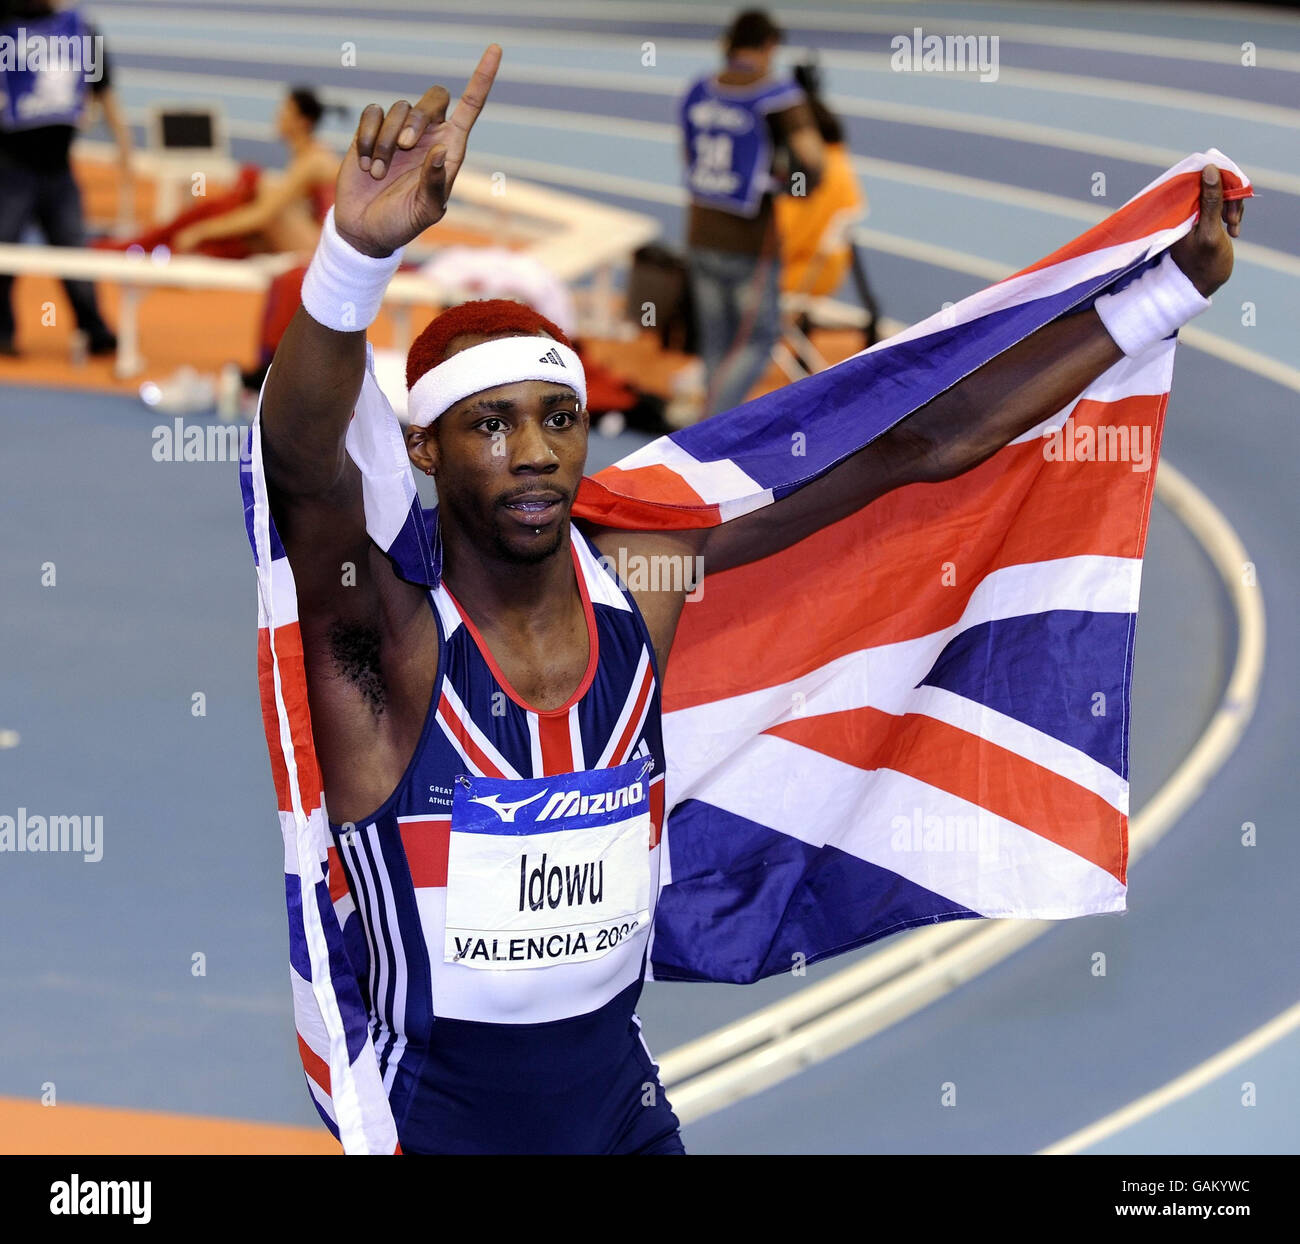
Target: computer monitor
(177, 129)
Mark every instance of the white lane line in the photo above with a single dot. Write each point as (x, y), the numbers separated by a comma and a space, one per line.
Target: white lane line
(991, 270)
(910, 248)
(945, 120)
(948, 120)
(659, 131)
(780, 1040)
(876, 62)
(1186, 1084)
(713, 17)
(1242, 711)
(929, 253)
(1142, 93)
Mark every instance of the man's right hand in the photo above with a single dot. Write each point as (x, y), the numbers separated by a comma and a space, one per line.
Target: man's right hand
(397, 175)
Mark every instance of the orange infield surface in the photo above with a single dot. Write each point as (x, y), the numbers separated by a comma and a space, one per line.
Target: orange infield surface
(29, 1127)
(209, 328)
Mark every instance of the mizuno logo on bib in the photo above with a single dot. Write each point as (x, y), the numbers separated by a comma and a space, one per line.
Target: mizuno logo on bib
(548, 871)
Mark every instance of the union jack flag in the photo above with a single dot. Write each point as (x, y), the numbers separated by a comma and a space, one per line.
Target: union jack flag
(919, 713)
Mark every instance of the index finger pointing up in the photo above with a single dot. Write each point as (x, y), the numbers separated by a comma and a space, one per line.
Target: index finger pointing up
(476, 91)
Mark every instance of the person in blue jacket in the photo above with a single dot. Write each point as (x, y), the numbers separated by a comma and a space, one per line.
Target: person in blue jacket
(738, 126)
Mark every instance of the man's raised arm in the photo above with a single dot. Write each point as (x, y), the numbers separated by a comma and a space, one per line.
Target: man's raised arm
(393, 184)
(1012, 393)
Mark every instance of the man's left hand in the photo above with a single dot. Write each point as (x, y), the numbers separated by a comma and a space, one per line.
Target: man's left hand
(1205, 254)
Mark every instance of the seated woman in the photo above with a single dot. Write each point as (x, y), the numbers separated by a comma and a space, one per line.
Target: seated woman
(815, 229)
(262, 213)
(814, 251)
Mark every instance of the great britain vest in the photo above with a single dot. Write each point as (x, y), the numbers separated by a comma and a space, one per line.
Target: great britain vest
(497, 908)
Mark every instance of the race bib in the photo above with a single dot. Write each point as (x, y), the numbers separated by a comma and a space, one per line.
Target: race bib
(546, 871)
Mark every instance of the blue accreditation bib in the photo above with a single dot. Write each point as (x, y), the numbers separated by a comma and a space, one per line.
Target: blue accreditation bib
(45, 65)
(728, 143)
(543, 872)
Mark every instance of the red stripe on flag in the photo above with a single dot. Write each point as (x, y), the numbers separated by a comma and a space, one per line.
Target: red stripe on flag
(974, 769)
(426, 842)
(877, 576)
(338, 880)
(271, 720)
(457, 729)
(314, 1065)
(628, 737)
(656, 812)
(293, 690)
(646, 499)
(556, 745)
(1168, 205)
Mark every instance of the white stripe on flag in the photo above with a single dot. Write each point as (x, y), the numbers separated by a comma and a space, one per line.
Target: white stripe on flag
(535, 745)
(885, 677)
(447, 611)
(1151, 372)
(983, 862)
(397, 1020)
(629, 703)
(575, 738)
(720, 482)
(1193, 163)
(1041, 283)
(322, 1099)
(284, 595)
(484, 743)
(374, 442)
(601, 586)
(1014, 736)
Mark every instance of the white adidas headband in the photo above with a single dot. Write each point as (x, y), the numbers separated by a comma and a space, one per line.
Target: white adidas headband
(505, 360)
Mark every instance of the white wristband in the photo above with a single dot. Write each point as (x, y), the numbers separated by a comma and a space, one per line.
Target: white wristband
(1159, 303)
(343, 288)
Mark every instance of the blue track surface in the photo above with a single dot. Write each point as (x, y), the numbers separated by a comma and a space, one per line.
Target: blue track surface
(154, 601)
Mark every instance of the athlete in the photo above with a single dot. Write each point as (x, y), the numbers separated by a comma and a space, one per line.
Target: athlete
(491, 749)
(284, 212)
(734, 123)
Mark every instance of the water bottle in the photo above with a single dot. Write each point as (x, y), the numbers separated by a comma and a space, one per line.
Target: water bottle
(230, 389)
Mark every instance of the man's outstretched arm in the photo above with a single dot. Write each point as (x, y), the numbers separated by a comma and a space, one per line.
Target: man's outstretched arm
(976, 417)
(393, 184)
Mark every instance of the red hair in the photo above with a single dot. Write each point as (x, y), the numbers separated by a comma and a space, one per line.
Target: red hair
(486, 317)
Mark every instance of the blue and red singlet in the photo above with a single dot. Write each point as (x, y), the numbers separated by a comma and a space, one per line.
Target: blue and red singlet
(497, 907)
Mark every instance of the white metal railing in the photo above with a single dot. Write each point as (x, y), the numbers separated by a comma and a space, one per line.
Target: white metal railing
(575, 238)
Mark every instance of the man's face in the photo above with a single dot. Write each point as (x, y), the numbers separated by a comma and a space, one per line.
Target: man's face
(508, 462)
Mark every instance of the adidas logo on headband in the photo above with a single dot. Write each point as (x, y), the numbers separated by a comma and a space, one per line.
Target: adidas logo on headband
(503, 360)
